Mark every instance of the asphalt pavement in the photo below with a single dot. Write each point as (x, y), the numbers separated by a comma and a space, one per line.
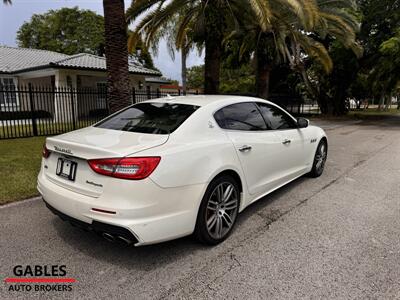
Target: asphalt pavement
(335, 237)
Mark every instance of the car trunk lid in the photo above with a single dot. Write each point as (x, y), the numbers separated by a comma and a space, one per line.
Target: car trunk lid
(70, 152)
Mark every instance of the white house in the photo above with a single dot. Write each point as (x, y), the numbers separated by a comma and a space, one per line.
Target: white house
(42, 68)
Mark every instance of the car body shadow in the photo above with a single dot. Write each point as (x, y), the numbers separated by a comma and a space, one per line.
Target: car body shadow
(157, 255)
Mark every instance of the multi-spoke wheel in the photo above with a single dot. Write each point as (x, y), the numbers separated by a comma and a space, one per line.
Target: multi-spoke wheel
(319, 159)
(218, 210)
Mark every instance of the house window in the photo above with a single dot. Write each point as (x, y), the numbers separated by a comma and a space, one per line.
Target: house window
(8, 95)
(69, 81)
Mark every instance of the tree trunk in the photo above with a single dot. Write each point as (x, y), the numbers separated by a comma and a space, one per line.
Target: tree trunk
(183, 70)
(388, 104)
(116, 51)
(213, 46)
(339, 99)
(381, 102)
(263, 72)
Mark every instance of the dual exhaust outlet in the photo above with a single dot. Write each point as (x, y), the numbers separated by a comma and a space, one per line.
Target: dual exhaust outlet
(116, 238)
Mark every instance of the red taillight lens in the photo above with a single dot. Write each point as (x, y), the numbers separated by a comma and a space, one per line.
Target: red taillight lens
(45, 152)
(127, 168)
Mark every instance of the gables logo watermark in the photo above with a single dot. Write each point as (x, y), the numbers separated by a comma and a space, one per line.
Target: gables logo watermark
(39, 278)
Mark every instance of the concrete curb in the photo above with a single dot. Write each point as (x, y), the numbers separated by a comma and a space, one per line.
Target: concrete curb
(20, 202)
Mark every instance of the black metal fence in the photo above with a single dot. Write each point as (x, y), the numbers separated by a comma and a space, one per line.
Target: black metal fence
(296, 105)
(27, 111)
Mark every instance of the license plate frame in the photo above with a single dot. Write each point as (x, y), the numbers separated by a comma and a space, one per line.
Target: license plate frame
(66, 168)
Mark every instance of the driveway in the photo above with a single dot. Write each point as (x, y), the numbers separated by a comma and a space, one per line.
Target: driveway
(337, 236)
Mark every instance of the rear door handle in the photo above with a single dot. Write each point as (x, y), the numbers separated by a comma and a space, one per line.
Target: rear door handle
(286, 142)
(245, 148)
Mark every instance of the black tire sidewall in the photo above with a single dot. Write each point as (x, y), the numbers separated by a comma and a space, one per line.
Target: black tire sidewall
(314, 171)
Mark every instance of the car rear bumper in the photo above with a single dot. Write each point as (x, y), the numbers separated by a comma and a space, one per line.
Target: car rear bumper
(151, 214)
(117, 233)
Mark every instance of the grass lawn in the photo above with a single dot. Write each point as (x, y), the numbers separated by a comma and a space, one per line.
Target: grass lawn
(19, 165)
(374, 112)
(21, 129)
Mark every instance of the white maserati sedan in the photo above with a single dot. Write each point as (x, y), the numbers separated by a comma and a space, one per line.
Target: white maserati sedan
(171, 167)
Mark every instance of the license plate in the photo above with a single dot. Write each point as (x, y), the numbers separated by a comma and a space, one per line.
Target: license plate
(66, 168)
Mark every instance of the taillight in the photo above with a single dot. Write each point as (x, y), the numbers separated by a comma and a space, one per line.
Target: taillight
(45, 152)
(134, 168)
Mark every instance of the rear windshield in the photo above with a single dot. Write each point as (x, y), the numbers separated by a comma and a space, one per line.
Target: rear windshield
(155, 118)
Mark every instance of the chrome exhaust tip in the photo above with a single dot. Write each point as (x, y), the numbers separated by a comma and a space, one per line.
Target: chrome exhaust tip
(124, 240)
(109, 237)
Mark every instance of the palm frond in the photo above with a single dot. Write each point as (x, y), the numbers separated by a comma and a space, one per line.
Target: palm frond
(337, 4)
(263, 12)
(138, 7)
(161, 16)
(310, 12)
(317, 51)
(181, 35)
(133, 39)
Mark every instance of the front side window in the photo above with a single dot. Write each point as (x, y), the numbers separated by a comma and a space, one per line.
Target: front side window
(276, 118)
(153, 118)
(240, 116)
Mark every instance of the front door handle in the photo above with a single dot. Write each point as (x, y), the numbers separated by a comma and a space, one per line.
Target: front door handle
(245, 148)
(286, 142)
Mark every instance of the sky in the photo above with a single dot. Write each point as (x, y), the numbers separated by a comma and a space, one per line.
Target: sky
(13, 16)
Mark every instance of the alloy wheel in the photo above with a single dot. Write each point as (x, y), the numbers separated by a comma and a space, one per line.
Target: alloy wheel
(222, 209)
(321, 158)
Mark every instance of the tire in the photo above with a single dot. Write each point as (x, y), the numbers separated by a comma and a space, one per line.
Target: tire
(319, 159)
(217, 215)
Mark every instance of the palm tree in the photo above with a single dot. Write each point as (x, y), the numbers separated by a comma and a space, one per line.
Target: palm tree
(334, 24)
(385, 76)
(210, 19)
(175, 40)
(295, 35)
(262, 39)
(116, 51)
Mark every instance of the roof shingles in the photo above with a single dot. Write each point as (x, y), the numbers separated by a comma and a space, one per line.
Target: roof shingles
(15, 60)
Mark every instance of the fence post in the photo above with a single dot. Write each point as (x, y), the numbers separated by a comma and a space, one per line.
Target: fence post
(33, 116)
(197, 92)
(106, 97)
(73, 108)
(179, 91)
(133, 95)
(158, 93)
(148, 92)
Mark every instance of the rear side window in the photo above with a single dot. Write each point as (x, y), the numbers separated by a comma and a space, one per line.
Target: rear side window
(275, 117)
(154, 118)
(240, 116)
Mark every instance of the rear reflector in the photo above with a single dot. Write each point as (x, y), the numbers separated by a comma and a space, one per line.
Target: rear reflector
(104, 211)
(134, 168)
(45, 152)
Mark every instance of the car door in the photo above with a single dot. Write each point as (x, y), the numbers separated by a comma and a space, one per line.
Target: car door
(257, 148)
(292, 139)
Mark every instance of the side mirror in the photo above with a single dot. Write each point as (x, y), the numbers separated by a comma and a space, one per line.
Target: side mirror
(302, 123)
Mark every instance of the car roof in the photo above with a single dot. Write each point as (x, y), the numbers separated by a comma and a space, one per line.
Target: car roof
(203, 100)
